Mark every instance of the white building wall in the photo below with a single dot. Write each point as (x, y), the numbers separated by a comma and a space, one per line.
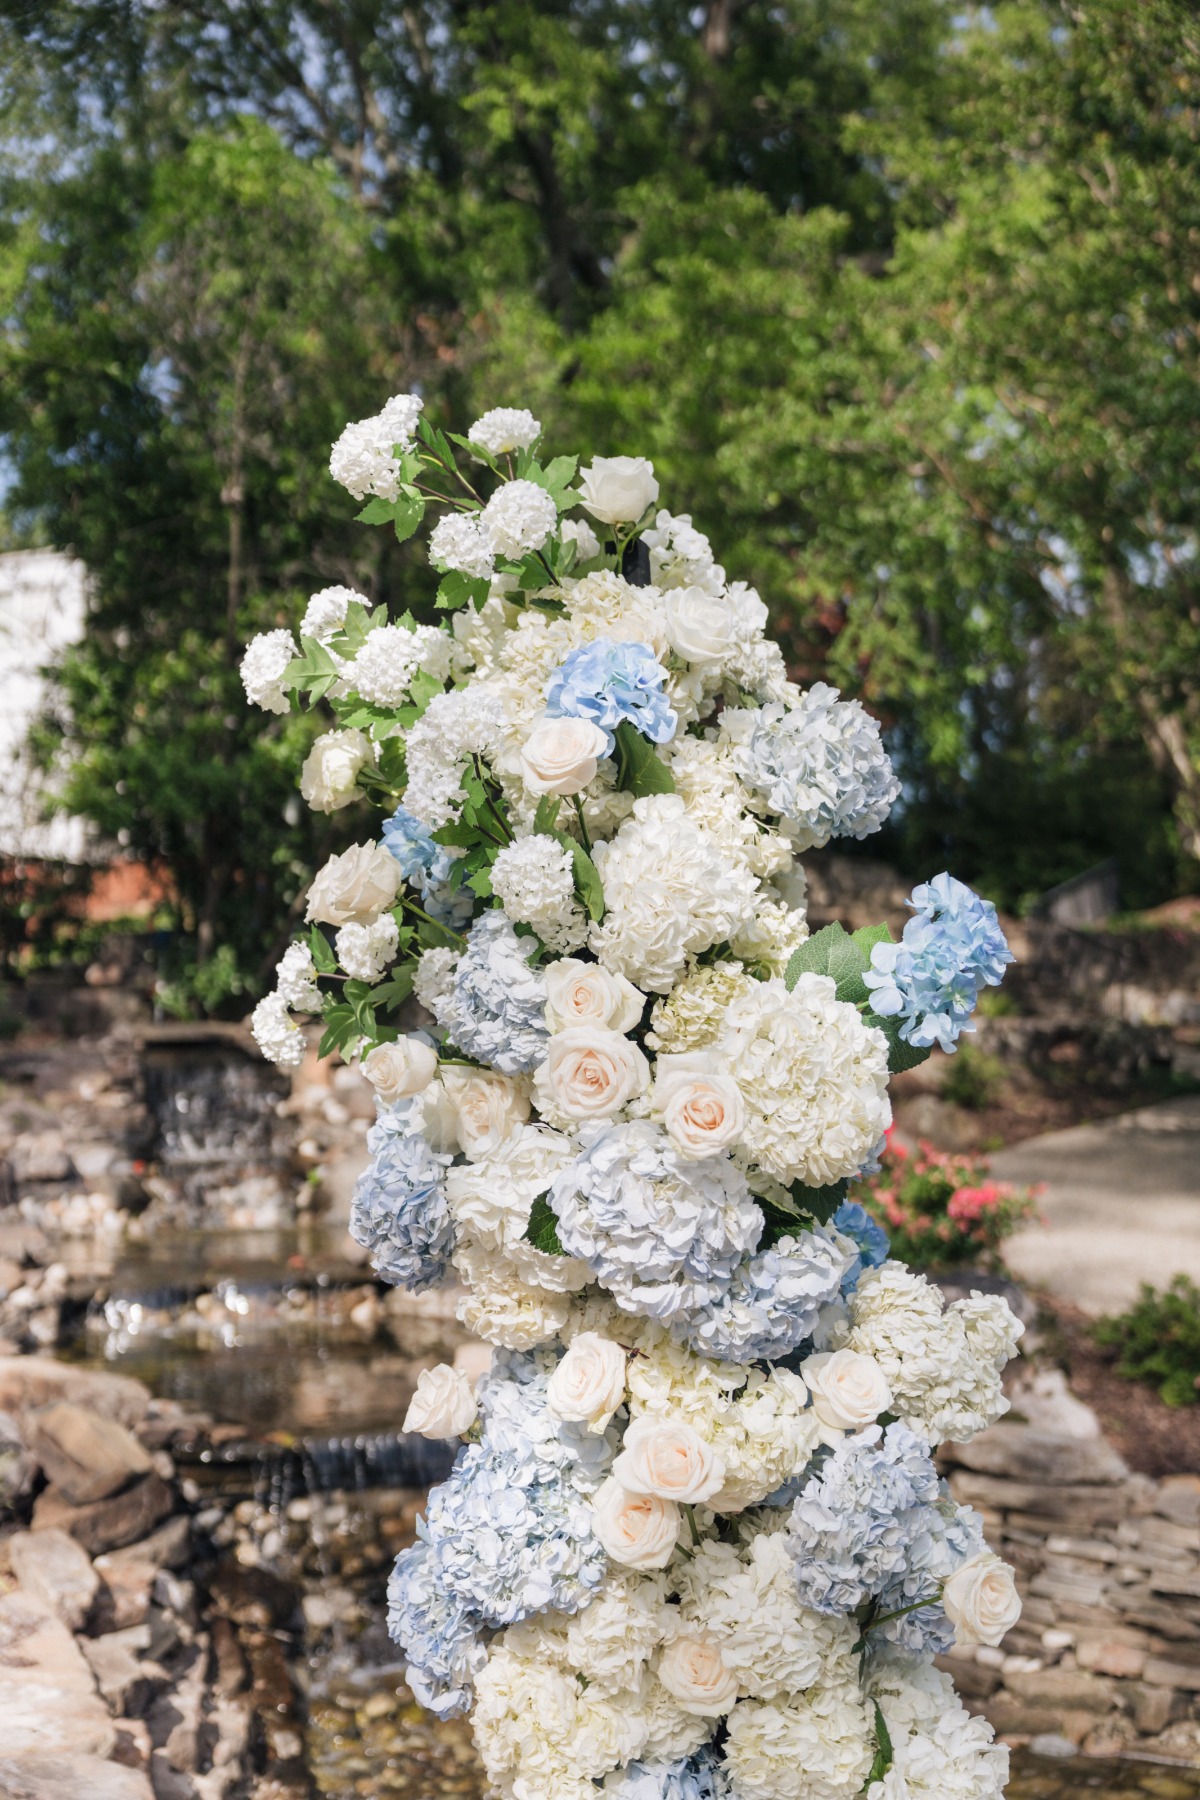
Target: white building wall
(42, 611)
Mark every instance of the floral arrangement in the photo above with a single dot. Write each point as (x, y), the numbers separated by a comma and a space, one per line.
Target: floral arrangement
(694, 1543)
(942, 1211)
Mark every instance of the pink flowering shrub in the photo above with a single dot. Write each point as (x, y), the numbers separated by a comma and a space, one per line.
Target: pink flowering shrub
(943, 1211)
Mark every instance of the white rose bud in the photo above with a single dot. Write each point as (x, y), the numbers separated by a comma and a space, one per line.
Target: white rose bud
(848, 1389)
(700, 626)
(443, 1405)
(639, 1531)
(583, 993)
(668, 1458)
(589, 1383)
(327, 780)
(981, 1600)
(354, 888)
(696, 1675)
(618, 489)
(591, 1072)
(699, 1102)
(561, 755)
(398, 1070)
(489, 1107)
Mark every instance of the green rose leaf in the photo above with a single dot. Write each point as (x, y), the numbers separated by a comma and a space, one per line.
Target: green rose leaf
(901, 1056)
(321, 951)
(640, 769)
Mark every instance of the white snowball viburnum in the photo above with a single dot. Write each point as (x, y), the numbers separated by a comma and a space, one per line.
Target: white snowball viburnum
(277, 1034)
(458, 541)
(329, 778)
(263, 667)
(363, 459)
(519, 516)
(365, 951)
(505, 429)
(325, 613)
(533, 878)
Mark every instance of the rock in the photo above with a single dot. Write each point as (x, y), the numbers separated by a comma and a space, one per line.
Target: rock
(1023, 1453)
(1073, 1689)
(106, 1524)
(40, 1156)
(1048, 1743)
(166, 1548)
(253, 1597)
(169, 1783)
(11, 1276)
(127, 1680)
(48, 1700)
(52, 1567)
(125, 1595)
(1172, 1673)
(61, 1777)
(17, 1466)
(1108, 1657)
(1082, 1506)
(86, 1456)
(1151, 1709)
(29, 1383)
(1178, 1499)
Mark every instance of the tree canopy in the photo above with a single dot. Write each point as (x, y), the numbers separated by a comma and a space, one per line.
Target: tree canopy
(901, 296)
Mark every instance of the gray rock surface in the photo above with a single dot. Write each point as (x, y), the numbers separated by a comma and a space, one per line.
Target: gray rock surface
(39, 1776)
(88, 1457)
(106, 1524)
(28, 1383)
(52, 1567)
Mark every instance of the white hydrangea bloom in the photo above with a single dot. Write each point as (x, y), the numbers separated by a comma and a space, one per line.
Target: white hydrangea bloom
(434, 977)
(669, 894)
(719, 803)
(534, 881)
(691, 1015)
(502, 1307)
(814, 1746)
(296, 979)
(453, 726)
(611, 1640)
(505, 429)
(276, 1033)
(769, 939)
(580, 533)
(263, 666)
(681, 556)
(491, 1199)
(520, 516)
(325, 613)
(940, 1751)
(365, 951)
(819, 764)
(943, 1363)
(460, 542)
(363, 459)
(813, 1076)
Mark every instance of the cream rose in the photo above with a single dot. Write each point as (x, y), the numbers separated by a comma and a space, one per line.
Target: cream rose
(560, 756)
(489, 1107)
(330, 772)
(397, 1070)
(618, 489)
(699, 1103)
(639, 1531)
(696, 1675)
(589, 1383)
(981, 1600)
(848, 1389)
(668, 1458)
(443, 1405)
(583, 993)
(591, 1072)
(701, 627)
(354, 888)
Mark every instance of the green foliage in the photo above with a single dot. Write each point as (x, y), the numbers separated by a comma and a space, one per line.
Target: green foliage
(542, 1229)
(1158, 1340)
(844, 957)
(640, 769)
(973, 1078)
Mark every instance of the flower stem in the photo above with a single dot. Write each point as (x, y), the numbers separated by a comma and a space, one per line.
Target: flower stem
(583, 830)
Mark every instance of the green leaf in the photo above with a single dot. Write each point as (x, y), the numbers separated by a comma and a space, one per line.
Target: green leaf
(819, 1202)
(456, 836)
(587, 878)
(321, 951)
(480, 883)
(423, 687)
(884, 1753)
(640, 769)
(870, 935)
(396, 989)
(542, 1229)
(376, 512)
(409, 514)
(457, 590)
(556, 478)
(546, 816)
(901, 1056)
(832, 951)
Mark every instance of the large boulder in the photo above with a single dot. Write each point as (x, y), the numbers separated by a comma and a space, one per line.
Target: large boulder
(39, 1776)
(48, 1698)
(106, 1524)
(52, 1567)
(85, 1455)
(30, 1383)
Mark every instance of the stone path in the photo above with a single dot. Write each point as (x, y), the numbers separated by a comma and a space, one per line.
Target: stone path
(1122, 1204)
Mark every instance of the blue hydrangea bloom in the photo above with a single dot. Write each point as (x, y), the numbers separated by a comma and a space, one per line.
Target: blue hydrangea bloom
(930, 980)
(953, 1535)
(863, 1519)
(399, 1212)
(440, 1635)
(874, 1245)
(697, 1777)
(606, 683)
(410, 842)
(820, 765)
(427, 866)
(496, 1009)
(773, 1300)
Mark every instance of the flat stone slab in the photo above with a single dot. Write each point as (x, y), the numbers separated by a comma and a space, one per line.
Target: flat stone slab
(55, 1570)
(48, 1698)
(1122, 1204)
(106, 1524)
(86, 1456)
(44, 1777)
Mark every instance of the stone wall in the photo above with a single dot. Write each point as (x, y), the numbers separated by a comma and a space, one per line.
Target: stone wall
(1107, 1654)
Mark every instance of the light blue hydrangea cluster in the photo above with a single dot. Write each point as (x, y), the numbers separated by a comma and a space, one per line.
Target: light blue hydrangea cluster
(427, 866)
(697, 1777)
(663, 1235)
(399, 1212)
(820, 765)
(860, 1521)
(771, 1305)
(508, 1534)
(606, 683)
(930, 980)
(495, 1010)
(874, 1245)
(952, 1535)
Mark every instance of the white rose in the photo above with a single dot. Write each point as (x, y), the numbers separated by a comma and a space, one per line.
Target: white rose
(589, 1383)
(580, 533)
(397, 1070)
(354, 888)
(668, 1458)
(639, 1531)
(489, 1107)
(443, 1405)
(327, 780)
(591, 1073)
(981, 1600)
(560, 756)
(583, 993)
(701, 627)
(848, 1389)
(618, 489)
(696, 1675)
(699, 1102)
